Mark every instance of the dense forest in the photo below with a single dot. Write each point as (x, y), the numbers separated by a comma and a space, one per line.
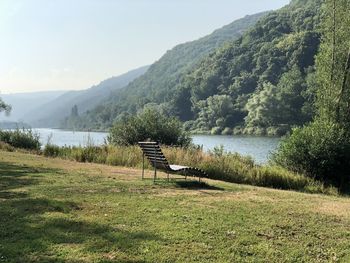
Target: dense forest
(260, 83)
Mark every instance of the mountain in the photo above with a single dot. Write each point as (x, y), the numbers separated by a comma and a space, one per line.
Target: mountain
(22, 103)
(261, 83)
(159, 82)
(54, 112)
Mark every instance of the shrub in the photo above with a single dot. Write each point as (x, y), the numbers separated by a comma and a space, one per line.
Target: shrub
(238, 130)
(188, 125)
(260, 131)
(227, 131)
(25, 139)
(6, 147)
(149, 124)
(216, 131)
(321, 150)
(280, 130)
(51, 150)
(249, 130)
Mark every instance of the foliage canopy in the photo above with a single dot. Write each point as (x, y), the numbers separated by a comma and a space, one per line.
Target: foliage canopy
(149, 124)
(322, 148)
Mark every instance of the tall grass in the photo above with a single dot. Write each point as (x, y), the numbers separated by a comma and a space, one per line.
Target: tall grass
(24, 139)
(217, 164)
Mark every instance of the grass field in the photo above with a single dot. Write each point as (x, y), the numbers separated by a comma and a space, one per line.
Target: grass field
(53, 210)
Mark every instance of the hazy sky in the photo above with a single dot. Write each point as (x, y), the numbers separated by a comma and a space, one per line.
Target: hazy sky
(74, 44)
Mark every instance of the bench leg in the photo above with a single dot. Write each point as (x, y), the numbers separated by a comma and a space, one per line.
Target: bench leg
(155, 172)
(143, 166)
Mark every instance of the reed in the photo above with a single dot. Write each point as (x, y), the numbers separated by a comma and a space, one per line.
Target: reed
(21, 138)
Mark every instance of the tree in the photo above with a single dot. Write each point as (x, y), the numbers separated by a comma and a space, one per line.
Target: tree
(4, 107)
(333, 63)
(280, 104)
(149, 124)
(263, 107)
(217, 111)
(74, 111)
(322, 148)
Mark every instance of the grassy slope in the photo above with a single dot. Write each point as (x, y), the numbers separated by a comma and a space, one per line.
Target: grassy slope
(59, 211)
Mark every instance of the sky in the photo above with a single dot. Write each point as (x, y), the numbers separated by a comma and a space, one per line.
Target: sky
(74, 44)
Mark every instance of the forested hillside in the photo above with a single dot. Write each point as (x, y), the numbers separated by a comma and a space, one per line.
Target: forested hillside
(160, 81)
(260, 83)
(53, 113)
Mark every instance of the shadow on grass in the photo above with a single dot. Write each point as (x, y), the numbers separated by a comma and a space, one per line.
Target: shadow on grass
(195, 185)
(41, 229)
(17, 176)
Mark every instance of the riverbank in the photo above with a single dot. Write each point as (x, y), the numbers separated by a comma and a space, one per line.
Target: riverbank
(259, 148)
(61, 211)
(217, 164)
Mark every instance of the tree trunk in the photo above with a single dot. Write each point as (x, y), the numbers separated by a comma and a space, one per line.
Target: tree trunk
(343, 88)
(334, 42)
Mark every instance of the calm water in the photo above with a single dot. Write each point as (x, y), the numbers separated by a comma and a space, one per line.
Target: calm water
(257, 147)
(71, 138)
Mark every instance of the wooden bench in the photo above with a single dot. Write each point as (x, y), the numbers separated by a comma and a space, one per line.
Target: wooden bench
(154, 154)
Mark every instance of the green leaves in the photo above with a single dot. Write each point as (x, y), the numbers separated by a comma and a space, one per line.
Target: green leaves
(322, 148)
(263, 73)
(4, 107)
(149, 124)
(333, 96)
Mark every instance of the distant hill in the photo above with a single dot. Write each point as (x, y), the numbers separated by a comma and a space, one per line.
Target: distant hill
(54, 112)
(262, 83)
(256, 78)
(13, 125)
(22, 103)
(158, 84)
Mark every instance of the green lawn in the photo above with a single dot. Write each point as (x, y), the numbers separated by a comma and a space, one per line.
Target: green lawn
(59, 211)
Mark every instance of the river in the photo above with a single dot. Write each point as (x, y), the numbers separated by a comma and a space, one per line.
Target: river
(257, 147)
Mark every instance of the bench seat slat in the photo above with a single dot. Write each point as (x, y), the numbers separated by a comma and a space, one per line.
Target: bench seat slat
(155, 155)
(152, 159)
(148, 143)
(151, 149)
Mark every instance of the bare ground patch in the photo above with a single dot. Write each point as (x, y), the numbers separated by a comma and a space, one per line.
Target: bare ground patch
(339, 208)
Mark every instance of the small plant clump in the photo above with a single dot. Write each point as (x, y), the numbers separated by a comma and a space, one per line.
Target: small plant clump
(23, 139)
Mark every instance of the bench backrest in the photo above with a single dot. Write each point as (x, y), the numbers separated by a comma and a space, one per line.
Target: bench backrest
(154, 155)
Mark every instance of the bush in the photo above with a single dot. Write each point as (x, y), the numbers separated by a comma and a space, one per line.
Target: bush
(260, 131)
(227, 131)
(280, 130)
(238, 130)
(149, 125)
(216, 131)
(6, 147)
(51, 150)
(321, 150)
(24, 139)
